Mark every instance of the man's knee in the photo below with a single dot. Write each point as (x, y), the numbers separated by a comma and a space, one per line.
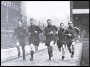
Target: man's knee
(51, 43)
(32, 47)
(73, 43)
(17, 43)
(36, 48)
(63, 46)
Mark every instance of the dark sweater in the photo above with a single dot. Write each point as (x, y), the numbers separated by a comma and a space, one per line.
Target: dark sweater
(20, 33)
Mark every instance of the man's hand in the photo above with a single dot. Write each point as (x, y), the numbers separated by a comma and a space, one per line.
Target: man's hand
(57, 32)
(22, 34)
(29, 33)
(51, 32)
(17, 43)
(78, 36)
(57, 38)
(69, 35)
(35, 31)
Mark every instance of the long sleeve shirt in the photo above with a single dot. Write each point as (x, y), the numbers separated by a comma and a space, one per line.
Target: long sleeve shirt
(34, 36)
(73, 31)
(20, 33)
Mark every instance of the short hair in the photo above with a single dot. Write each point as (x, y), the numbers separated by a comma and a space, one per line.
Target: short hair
(48, 20)
(31, 19)
(61, 23)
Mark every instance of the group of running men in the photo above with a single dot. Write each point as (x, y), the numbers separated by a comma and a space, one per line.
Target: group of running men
(61, 37)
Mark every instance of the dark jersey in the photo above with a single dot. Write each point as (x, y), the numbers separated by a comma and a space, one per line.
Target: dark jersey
(61, 35)
(34, 36)
(73, 32)
(20, 33)
(48, 29)
(50, 37)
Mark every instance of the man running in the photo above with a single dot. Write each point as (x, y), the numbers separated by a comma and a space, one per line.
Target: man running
(61, 40)
(20, 33)
(34, 39)
(50, 33)
(70, 33)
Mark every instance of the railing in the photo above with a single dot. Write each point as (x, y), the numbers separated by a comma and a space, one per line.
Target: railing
(6, 39)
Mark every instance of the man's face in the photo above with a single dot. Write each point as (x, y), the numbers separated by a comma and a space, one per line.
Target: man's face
(32, 22)
(62, 26)
(49, 22)
(20, 24)
(70, 24)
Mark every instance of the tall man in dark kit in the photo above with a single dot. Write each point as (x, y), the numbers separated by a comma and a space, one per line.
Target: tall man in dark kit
(61, 40)
(50, 33)
(20, 33)
(34, 39)
(71, 35)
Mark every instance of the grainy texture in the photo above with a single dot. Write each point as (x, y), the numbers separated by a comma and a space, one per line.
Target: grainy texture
(85, 54)
(41, 58)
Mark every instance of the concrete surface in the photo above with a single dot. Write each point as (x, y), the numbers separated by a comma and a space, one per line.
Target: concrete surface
(41, 58)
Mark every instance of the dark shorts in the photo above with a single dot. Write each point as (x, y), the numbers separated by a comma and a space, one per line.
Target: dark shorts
(36, 43)
(48, 42)
(69, 43)
(49, 39)
(21, 42)
(59, 43)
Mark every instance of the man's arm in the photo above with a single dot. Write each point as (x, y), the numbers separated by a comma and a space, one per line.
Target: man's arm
(58, 35)
(25, 32)
(56, 28)
(39, 30)
(77, 30)
(45, 31)
(67, 33)
(29, 30)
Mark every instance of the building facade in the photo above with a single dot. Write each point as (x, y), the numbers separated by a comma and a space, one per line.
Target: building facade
(10, 13)
(80, 16)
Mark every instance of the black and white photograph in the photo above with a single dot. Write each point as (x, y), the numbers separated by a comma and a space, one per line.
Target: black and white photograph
(44, 33)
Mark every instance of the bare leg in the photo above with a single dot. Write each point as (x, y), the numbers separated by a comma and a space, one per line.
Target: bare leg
(18, 48)
(36, 48)
(32, 51)
(73, 48)
(63, 52)
(50, 50)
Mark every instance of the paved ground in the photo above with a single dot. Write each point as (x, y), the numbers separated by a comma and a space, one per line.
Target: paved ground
(41, 58)
(10, 53)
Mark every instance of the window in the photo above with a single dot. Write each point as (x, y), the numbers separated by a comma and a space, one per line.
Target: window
(18, 9)
(4, 3)
(9, 4)
(14, 6)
